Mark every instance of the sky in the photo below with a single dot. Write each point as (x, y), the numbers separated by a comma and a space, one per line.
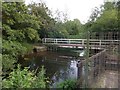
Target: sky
(80, 9)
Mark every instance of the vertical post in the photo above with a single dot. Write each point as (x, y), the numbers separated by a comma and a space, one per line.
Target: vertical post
(79, 67)
(86, 60)
(56, 41)
(68, 41)
(100, 43)
(1, 46)
(83, 42)
(118, 46)
(53, 40)
(45, 40)
(119, 59)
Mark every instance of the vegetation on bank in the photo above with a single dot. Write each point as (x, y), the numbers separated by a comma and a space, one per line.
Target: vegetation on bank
(23, 25)
(25, 79)
(69, 84)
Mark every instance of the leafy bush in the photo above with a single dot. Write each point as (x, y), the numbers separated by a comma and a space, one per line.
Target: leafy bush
(67, 84)
(40, 79)
(24, 79)
(19, 26)
(13, 48)
(28, 46)
(0, 63)
(19, 79)
(8, 62)
(10, 52)
(0, 43)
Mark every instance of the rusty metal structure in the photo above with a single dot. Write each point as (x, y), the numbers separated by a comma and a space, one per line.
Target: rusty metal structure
(102, 68)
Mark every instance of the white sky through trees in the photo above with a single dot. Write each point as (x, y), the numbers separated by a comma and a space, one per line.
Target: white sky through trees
(80, 9)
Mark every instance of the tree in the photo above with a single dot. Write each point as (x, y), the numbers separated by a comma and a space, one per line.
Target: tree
(18, 26)
(17, 22)
(44, 16)
(107, 20)
(73, 27)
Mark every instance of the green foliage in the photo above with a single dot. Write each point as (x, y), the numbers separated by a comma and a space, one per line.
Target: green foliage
(8, 62)
(0, 57)
(40, 79)
(24, 79)
(32, 22)
(67, 84)
(43, 14)
(19, 79)
(73, 27)
(32, 34)
(66, 29)
(0, 45)
(13, 48)
(106, 19)
(59, 31)
(78, 36)
(0, 63)
(17, 22)
(28, 46)
(10, 52)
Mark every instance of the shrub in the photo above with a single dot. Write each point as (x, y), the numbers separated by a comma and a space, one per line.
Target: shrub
(19, 79)
(10, 52)
(13, 48)
(8, 62)
(0, 63)
(40, 81)
(68, 84)
(24, 79)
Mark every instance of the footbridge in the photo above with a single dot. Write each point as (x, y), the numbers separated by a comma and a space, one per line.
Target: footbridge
(79, 43)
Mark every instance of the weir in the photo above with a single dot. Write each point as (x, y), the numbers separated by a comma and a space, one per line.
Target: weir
(93, 66)
(96, 65)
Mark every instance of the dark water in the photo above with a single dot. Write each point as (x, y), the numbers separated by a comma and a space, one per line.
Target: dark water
(59, 66)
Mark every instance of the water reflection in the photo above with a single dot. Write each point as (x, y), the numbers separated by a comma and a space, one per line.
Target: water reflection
(59, 66)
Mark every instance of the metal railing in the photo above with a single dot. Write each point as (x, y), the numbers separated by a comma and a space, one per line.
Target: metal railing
(83, 42)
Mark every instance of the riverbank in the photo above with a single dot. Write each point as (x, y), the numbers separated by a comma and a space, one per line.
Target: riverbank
(39, 48)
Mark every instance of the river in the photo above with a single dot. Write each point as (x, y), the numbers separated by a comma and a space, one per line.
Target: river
(59, 66)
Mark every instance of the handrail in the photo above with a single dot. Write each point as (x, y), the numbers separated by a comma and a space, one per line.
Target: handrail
(79, 41)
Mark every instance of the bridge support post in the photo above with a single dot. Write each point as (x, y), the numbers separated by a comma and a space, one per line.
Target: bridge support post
(45, 40)
(82, 42)
(86, 61)
(119, 59)
(79, 67)
(76, 47)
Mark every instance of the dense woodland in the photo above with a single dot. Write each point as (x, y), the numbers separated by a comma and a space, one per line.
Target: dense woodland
(24, 25)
